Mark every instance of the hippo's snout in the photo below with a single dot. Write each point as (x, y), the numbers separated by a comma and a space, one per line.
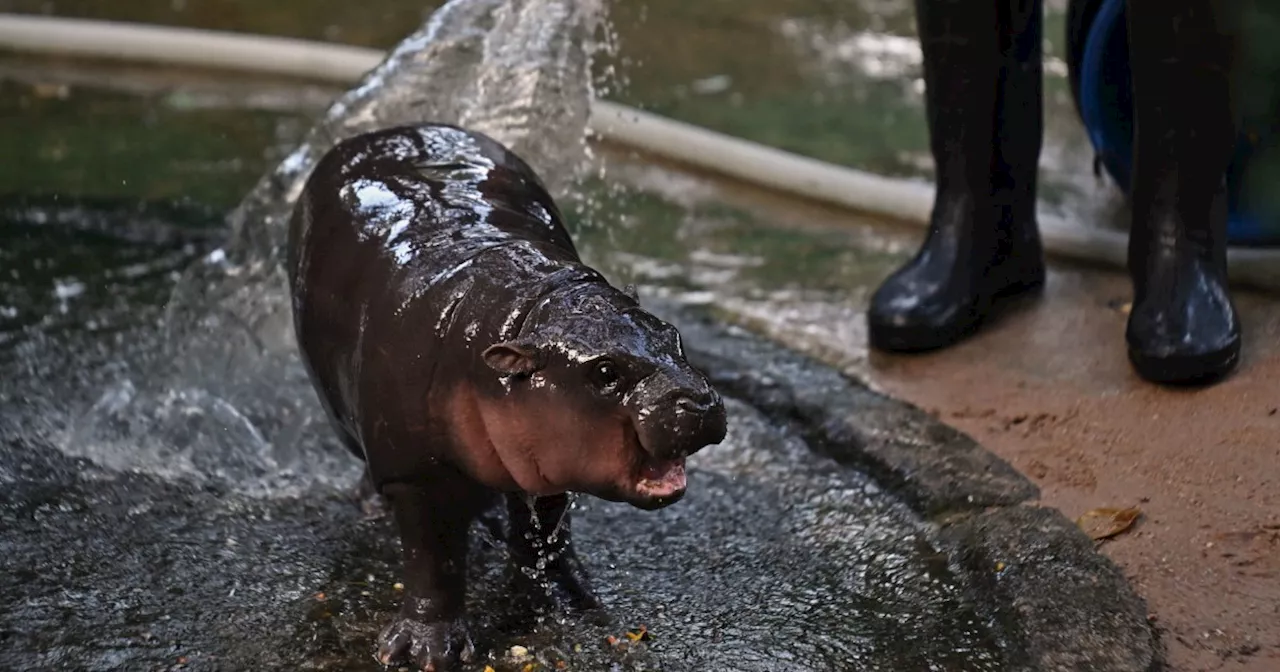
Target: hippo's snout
(705, 402)
(679, 415)
(700, 422)
(690, 406)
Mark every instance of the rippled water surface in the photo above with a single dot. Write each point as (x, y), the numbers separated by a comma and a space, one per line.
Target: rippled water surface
(171, 494)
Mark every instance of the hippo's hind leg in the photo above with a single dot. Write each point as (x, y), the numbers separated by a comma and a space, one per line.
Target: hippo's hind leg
(541, 546)
(366, 493)
(433, 518)
(371, 502)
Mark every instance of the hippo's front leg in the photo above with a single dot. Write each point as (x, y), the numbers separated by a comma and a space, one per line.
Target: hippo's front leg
(430, 630)
(540, 535)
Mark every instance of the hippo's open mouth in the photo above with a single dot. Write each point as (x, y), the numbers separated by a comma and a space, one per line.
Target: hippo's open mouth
(661, 479)
(657, 482)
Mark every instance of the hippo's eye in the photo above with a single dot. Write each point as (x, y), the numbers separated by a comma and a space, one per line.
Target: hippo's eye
(605, 375)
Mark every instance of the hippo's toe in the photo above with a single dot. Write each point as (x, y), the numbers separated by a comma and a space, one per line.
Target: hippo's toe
(431, 647)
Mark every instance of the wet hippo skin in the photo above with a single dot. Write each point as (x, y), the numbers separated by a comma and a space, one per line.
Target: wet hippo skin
(983, 87)
(463, 350)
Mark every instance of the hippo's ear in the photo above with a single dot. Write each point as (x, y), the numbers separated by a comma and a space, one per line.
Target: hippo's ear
(630, 290)
(511, 358)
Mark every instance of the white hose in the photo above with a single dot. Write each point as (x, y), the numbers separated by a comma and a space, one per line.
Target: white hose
(186, 46)
(903, 200)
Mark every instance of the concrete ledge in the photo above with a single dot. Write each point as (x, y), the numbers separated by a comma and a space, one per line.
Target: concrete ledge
(1059, 604)
(1065, 606)
(936, 468)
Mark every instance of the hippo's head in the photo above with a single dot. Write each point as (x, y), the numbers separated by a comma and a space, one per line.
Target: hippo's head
(599, 398)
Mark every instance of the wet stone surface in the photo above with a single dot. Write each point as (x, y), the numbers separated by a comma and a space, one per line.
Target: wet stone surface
(1071, 608)
(934, 467)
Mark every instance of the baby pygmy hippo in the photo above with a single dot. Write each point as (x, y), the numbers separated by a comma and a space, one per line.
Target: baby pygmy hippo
(463, 350)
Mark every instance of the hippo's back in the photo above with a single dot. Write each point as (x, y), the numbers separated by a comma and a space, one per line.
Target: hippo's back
(428, 192)
(407, 245)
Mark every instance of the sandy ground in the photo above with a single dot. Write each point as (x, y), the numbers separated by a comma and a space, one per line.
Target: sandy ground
(1049, 389)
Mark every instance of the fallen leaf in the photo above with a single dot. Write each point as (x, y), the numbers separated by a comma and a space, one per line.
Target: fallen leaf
(489, 668)
(1122, 307)
(1107, 522)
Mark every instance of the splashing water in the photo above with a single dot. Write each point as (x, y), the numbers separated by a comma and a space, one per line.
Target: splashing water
(501, 67)
(543, 542)
(229, 388)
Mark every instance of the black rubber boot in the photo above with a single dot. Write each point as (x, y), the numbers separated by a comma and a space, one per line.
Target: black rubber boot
(983, 73)
(1183, 326)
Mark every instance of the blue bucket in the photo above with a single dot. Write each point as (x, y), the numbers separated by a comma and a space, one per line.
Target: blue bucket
(1105, 101)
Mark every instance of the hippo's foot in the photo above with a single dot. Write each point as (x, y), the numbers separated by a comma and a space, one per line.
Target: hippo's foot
(433, 516)
(558, 583)
(434, 646)
(546, 574)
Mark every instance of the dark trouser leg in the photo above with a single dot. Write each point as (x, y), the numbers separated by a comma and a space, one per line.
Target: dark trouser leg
(430, 630)
(982, 68)
(547, 541)
(1183, 326)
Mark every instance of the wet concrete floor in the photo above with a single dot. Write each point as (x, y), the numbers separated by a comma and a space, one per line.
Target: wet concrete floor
(138, 569)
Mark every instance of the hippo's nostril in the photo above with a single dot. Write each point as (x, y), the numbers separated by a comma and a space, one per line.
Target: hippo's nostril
(687, 404)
